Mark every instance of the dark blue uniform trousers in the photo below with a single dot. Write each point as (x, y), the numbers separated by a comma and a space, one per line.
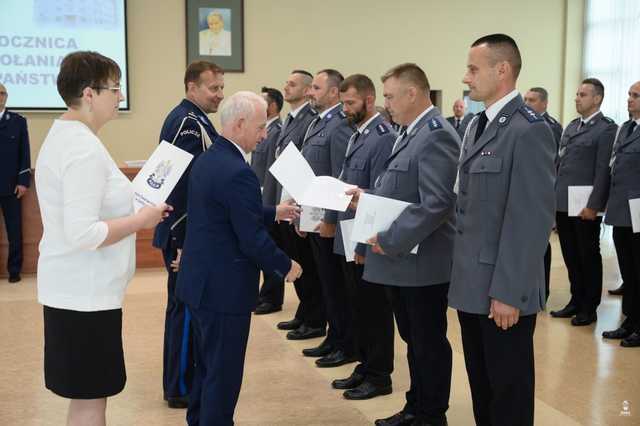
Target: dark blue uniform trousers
(12, 213)
(221, 344)
(178, 357)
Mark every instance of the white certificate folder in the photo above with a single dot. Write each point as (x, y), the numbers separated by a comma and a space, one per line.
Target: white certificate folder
(295, 175)
(159, 175)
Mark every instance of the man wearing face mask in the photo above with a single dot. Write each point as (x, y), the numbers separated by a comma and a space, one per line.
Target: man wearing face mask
(187, 127)
(583, 159)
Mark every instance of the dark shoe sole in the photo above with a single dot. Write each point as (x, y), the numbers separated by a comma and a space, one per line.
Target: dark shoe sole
(380, 392)
(306, 336)
(335, 364)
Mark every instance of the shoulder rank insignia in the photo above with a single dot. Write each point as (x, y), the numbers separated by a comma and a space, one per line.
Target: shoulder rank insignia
(608, 120)
(382, 129)
(434, 124)
(529, 114)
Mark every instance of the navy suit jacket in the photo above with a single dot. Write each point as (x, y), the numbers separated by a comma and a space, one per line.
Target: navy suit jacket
(227, 243)
(15, 159)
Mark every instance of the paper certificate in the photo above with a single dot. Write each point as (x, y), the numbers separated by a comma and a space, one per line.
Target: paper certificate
(578, 199)
(346, 226)
(159, 175)
(295, 175)
(310, 218)
(634, 208)
(376, 214)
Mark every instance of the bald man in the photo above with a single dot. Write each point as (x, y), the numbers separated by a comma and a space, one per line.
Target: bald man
(459, 120)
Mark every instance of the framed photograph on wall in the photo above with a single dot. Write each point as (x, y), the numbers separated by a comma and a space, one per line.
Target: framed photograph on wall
(215, 32)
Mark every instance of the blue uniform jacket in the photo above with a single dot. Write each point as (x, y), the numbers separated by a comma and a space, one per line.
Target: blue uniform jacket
(15, 158)
(173, 228)
(227, 243)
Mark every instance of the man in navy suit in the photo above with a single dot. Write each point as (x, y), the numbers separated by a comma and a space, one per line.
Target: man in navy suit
(15, 175)
(226, 246)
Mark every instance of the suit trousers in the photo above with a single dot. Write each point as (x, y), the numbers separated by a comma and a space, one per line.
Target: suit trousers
(334, 292)
(580, 245)
(628, 251)
(272, 290)
(421, 315)
(501, 369)
(373, 326)
(12, 212)
(547, 271)
(221, 345)
(178, 357)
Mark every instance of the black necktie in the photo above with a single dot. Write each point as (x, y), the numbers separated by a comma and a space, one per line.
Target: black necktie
(582, 123)
(457, 123)
(287, 121)
(401, 136)
(482, 123)
(631, 128)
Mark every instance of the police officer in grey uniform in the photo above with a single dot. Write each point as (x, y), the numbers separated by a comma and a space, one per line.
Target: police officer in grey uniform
(537, 98)
(15, 177)
(504, 217)
(583, 159)
(625, 185)
(264, 155)
(421, 170)
(367, 303)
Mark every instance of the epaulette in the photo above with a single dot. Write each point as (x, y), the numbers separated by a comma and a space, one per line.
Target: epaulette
(434, 124)
(608, 120)
(529, 114)
(382, 129)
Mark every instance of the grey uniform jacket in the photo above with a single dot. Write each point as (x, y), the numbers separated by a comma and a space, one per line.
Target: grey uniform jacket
(290, 133)
(264, 154)
(583, 159)
(625, 177)
(363, 164)
(421, 171)
(556, 128)
(463, 124)
(505, 211)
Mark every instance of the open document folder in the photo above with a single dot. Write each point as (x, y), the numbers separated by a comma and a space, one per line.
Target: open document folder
(159, 175)
(295, 175)
(376, 214)
(578, 199)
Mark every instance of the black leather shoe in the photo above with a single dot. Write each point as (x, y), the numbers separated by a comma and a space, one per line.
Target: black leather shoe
(398, 419)
(423, 422)
(566, 312)
(267, 308)
(584, 319)
(289, 325)
(322, 349)
(304, 332)
(617, 291)
(353, 381)
(619, 333)
(367, 390)
(178, 401)
(15, 278)
(335, 359)
(633, 341)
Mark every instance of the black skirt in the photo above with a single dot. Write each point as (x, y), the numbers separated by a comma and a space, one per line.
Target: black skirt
(83, 357)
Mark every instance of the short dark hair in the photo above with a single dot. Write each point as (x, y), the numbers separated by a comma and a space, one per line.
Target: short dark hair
(598, 87)
(504, 48)
(303, 72)
(334, 78)
(363, 85)
(83, 69)
(544, 95)
(195, 70)
(409, 72)
(274, 95)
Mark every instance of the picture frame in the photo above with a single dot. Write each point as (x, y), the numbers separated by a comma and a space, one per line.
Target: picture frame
(215, 33)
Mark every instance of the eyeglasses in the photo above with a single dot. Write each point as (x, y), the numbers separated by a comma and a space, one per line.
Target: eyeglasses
(114, 89)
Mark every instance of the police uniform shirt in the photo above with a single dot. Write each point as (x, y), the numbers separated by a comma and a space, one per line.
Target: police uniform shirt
(15, 156)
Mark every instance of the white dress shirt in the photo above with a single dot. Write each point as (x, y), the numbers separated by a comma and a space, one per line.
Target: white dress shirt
(495, 108)
(79, 187)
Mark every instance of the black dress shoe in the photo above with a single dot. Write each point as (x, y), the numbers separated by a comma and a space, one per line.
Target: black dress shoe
(581, 320)
(322, 349)
(398, 419)
(633, 341)
(367, 390)
(289, 325)
(267, 308)
(178, 401)
(617, 291)
(305, 332)
(15, 278)
(335, 359)
(566, 312)
(619, 333)
(422, 422)
(353, 381)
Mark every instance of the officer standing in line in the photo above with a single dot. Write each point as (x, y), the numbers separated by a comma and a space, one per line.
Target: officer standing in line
(187, 127)
(583, 159)
(15, 177)
(264, 155)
